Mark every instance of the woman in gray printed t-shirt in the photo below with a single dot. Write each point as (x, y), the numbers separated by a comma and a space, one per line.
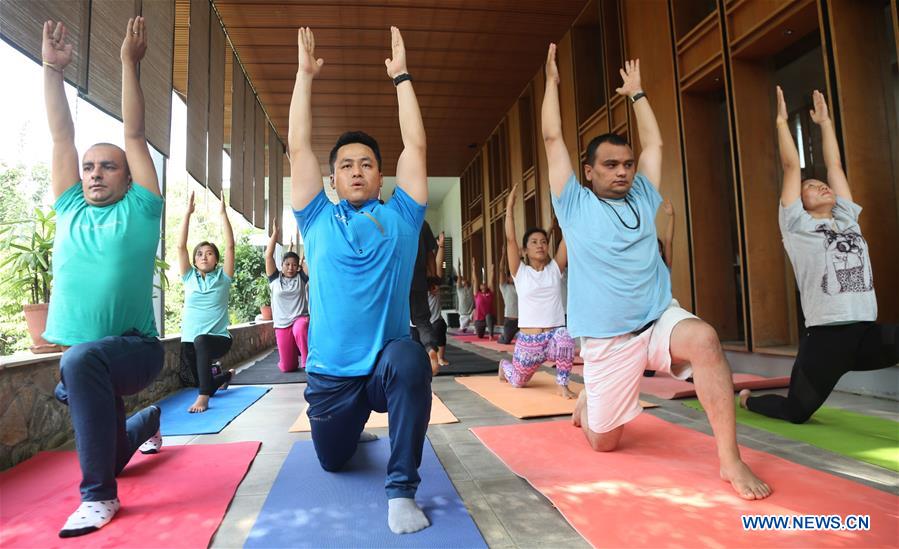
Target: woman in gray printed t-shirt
(822, 237)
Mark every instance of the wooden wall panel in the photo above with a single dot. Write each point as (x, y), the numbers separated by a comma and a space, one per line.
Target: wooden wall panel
(647, 36)
(862, 80)
(710, 214)
(565, 61)
(198, 93)
(236, 139)
(108, 21)
(544, 200)
(760, 178)
(156, 72)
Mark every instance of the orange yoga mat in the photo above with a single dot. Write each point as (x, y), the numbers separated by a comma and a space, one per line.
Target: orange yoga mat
(661, 489)
(439, 414)
(664, 386)
(540, 398)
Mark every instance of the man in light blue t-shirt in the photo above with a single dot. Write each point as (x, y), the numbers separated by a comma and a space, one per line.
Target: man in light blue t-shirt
(361, 255)
(101, 309)
(620, 302)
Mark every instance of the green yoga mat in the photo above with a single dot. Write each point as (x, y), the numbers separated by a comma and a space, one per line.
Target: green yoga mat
(865, 438)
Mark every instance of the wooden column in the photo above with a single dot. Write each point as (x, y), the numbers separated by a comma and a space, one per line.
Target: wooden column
(647, 36)
(862, 83)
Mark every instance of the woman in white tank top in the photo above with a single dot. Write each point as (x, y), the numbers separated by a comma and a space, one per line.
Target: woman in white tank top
(541, 317)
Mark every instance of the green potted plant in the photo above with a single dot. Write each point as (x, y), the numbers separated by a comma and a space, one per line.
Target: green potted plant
(28, 270)
(261, 298)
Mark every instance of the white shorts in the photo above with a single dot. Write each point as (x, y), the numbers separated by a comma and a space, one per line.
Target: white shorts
(613, 368)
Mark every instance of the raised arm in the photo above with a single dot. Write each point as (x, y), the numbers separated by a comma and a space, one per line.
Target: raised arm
(411, 167)
(836, 177)
(229, 240)
(551, 123)
(668, 238)
(650, 162)
(562, 255)
(789, 156)
(474, 276)
(459, 274)
(57, 54)
(513, 252)
(134, 46)
(441, 239)
(270, 267)
(184, 263)
(305, 172)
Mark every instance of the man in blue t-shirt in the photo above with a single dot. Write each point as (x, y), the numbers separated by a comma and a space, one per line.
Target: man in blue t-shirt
(620, 302)
(101, 310)
(361, 255)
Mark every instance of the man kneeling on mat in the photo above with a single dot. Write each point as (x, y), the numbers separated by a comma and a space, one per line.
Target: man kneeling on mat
(102, 308)
(821, 234)
(620, 289)
(361, 254)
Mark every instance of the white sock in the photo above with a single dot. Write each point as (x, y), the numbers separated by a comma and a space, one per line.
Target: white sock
(89, 517)
(404, 516)
(365, 436)
(153, 444)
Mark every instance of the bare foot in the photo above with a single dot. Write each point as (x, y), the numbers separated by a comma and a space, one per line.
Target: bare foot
(501, 374)
(443, 362)
(744, 394)
(199, 405)
(579, 409)
(744, 481)
(435, 364)
(565, 392)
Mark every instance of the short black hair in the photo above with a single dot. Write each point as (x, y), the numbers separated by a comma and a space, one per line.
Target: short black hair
(289, 255)
(594, 144)
(529, 232)
(348, 138)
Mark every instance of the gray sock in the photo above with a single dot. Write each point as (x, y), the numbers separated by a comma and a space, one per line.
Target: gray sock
(365, 436)
(404, 516)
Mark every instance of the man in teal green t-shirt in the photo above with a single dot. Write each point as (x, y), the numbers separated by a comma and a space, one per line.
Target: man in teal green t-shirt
(101, 307)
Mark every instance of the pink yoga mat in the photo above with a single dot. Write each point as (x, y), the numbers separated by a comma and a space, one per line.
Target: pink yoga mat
(664, 386)
(661, 489)
(176, 498)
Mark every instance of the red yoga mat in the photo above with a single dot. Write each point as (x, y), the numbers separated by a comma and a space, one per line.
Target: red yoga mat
(661, 489)
(665, 386)
(176, 498)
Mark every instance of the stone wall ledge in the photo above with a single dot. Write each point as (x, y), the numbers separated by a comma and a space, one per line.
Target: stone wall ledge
(32, 420)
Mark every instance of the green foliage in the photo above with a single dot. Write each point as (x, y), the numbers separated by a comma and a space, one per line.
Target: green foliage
(249, 290)
(21, 192)
(26, 266)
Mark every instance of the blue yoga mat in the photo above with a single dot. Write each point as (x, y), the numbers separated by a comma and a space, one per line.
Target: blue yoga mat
(309, 507)
(223, 408)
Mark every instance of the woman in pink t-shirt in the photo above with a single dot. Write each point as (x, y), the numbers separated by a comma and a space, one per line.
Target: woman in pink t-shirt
(483, 305)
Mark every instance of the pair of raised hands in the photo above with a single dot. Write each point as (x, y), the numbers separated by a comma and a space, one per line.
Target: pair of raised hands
(191, 206)
(56, 51)
(819, 114)
(310, 65)
(630, 74)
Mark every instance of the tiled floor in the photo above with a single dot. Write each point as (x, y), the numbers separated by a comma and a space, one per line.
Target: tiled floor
(506, 509)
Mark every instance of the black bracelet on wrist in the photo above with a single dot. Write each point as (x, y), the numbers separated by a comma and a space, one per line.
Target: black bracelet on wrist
(399, 79)
(637, 97)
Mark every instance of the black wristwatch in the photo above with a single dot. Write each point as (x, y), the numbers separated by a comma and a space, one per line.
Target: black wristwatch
(400, 78)
(637, 96)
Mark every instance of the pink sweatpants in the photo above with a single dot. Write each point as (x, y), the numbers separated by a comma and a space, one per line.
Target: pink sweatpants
(293, 341)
